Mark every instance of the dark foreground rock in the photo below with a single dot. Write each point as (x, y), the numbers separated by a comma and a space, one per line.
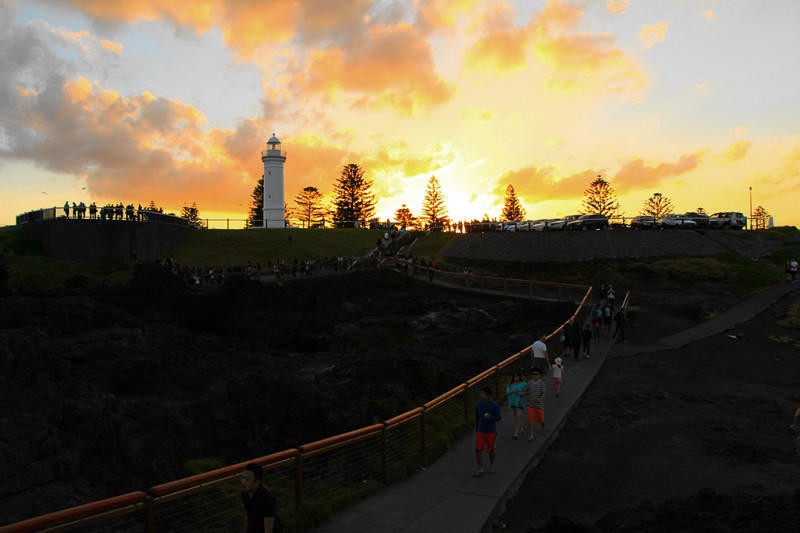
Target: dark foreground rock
(105, 393)
(694, 439)
(706, 511)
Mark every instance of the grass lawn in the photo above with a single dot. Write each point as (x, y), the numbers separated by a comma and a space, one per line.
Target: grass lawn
(221, 248)
(433, 244)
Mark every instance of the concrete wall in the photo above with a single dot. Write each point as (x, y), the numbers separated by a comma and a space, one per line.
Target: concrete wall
(95, 240)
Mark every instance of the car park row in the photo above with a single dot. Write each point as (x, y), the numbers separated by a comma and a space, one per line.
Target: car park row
(690, 220)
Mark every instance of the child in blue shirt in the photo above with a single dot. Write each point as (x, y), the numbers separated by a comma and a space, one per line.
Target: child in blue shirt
(487, 414)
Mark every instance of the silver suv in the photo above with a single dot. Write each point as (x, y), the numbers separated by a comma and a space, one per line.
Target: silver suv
(727, 219)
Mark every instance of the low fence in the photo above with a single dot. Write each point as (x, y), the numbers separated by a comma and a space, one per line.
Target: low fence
(540, 290)
(312, 481)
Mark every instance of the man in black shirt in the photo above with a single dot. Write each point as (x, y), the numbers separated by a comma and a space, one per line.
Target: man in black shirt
(259, 504)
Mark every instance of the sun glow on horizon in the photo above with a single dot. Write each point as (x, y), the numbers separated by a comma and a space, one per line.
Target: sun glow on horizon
(479, 93)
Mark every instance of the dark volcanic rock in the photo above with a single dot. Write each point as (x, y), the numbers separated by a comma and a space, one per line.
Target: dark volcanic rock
(103, 394)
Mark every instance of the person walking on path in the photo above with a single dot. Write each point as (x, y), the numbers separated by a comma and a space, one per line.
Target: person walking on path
(572, 338)
(515, 392)
(260, 514)
(535, 404)
(487, 415)
(586, 338)
(608, 316)
(793, 265)
(558, 375)
(619, 330)
(539, 355)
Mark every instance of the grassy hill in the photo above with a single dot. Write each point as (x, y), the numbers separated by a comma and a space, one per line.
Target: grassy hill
(221, 248)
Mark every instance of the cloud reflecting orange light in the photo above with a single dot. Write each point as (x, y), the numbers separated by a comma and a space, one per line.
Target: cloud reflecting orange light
(526, 100)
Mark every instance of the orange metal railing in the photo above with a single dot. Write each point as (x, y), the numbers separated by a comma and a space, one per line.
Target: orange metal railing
(311, 481)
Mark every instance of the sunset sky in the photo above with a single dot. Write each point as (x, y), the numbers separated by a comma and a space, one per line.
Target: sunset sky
(172, 101)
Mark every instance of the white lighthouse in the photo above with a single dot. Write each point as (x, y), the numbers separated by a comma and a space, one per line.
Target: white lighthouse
(273, 159)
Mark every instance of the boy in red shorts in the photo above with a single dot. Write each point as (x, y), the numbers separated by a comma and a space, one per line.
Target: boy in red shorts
(535, 401)
(487, 414)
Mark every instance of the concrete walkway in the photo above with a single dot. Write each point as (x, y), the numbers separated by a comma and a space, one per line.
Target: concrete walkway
(446, 498)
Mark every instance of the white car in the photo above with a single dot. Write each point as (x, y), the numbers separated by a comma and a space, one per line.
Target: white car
(561, 223)
(543, 225)
(677, 222)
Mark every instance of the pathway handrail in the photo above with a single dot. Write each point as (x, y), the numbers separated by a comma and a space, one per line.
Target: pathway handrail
(221, 474)
(144, 501)
(123, 504)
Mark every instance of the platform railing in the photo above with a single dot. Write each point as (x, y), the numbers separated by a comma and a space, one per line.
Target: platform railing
(540, 290)
(310, 482)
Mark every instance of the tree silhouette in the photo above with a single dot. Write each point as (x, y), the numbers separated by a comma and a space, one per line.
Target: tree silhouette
(404, 217)
(256, 214)
(701, 211)
(191, 214)
(657, 206)
(760, 217)
(434, 210)
(600, 199)
(354, 199)
(309, 204)
(512, 209)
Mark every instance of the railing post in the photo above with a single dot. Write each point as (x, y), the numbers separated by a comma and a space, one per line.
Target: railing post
(384, 472)
(422, 436)
(149, 515)
(466, 402)
(227, 223)
(298, 479)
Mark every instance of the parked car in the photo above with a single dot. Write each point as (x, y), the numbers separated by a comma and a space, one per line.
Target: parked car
(677, 222)
(561, 223)
(645, 222)
(541, 225)
(587, 222)
(727, 219)
(700, 218)
(509, 226)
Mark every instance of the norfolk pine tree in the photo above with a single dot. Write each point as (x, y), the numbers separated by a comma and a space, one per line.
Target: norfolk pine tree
(191, 214)
(657, 206)
(256, 214)
(434, 210)
(309, 206)
(600, 199)
(512, 209)
(353, 200)
(404, 217)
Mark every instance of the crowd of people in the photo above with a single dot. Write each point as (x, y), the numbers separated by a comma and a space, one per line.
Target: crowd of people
(211, 277)
(109, 211)
(526, 393)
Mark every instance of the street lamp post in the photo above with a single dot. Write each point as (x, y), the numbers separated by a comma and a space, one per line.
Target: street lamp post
(751, 208)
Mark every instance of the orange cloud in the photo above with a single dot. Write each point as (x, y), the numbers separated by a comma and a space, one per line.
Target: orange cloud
(85, 39)
(635, 174)
(501, 51)
(435, 15)
(578, 61)
(392, 68)
(617, 6)
(736, 151)
(653, 33)
(542, 183)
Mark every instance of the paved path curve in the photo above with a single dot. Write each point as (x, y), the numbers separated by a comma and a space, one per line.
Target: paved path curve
(445, 497)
